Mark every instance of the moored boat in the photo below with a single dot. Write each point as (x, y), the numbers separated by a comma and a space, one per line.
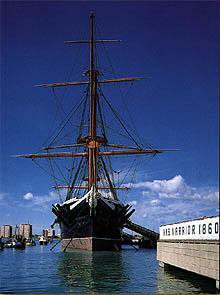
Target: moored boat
(8, 244)
(1, 244)
(43, 240)
(18, 245)
(30, 242)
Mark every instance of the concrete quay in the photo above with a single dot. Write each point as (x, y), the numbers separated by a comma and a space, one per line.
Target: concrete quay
(200, 256)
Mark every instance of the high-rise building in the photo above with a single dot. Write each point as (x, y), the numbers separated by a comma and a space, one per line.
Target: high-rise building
(6, 231)
(49, 233)
(16, 230)
(25, 230)
(45, 233)
(1, 231)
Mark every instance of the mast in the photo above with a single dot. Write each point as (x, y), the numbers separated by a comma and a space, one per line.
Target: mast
(92, 141)
(92, 165)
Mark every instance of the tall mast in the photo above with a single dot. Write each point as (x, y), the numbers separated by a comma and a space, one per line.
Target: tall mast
(92, 165)
(92, 141)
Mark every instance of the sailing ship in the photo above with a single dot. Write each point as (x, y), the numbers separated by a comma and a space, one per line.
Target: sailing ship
(93, 220)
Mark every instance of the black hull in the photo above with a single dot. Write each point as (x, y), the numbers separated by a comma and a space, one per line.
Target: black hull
(93, 228)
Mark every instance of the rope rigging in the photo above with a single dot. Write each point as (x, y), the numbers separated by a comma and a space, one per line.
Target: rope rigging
(69, 194)
(63, 124)
(79, 168)
(123, 97)
(119, 119)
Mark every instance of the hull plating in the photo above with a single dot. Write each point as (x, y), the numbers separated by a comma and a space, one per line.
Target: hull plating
(92, 228)
(91, 244)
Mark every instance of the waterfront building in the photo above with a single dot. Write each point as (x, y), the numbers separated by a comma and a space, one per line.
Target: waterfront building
(16, 231)
(49, 233)
(191, 245)
(1, 231)
(6, 231)
(25, 230)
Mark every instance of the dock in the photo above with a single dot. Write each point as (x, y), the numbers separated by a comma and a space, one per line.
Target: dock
(191, 246)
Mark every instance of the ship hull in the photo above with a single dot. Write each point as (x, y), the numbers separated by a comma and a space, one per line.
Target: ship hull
(91, 244)
(92, 226)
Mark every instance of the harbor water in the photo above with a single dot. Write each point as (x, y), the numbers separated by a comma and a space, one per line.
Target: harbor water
(38, 270)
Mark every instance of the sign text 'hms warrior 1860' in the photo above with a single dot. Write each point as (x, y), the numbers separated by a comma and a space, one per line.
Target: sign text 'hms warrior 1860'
(200, 229)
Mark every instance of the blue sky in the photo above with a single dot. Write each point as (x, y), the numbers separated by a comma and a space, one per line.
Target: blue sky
(174, 43)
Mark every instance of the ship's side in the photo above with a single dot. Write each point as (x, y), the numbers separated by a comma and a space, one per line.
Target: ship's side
(92, 223)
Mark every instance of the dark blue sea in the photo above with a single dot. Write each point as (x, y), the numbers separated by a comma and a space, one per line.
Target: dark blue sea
(39, 270)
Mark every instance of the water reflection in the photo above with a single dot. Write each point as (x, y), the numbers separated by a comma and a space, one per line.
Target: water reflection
(84, 271)
(39, 270)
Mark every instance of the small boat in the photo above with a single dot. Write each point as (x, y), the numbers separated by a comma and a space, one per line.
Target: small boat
(18, 245)
(43, 241)
(1, 244)
(8, 244)
(30, 242)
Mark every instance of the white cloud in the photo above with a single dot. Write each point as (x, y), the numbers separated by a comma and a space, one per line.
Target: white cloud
(163, 186)
(45, 199)
(176, 188)
(167, 201)
(43, 202)
(28, 196)
(155, 202)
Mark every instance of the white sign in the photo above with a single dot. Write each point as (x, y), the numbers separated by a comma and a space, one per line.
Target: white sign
(199, 229)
